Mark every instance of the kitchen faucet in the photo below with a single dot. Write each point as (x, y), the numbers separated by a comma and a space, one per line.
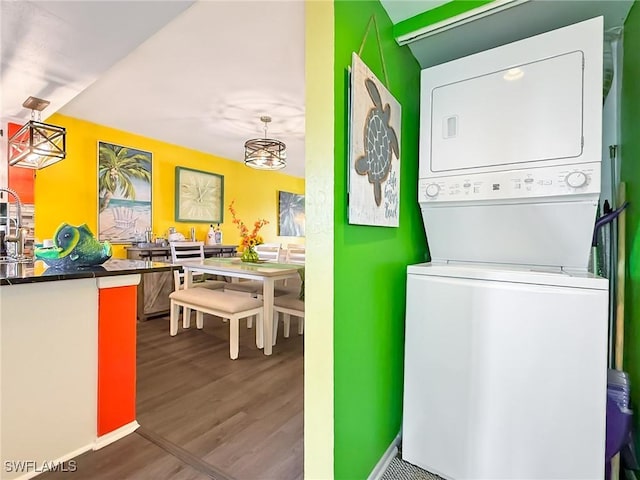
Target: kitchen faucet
(20, 233)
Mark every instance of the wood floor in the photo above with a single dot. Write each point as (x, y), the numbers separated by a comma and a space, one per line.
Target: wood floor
(203, 415)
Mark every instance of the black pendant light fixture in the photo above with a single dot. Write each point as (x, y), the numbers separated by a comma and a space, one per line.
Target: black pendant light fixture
(37, 145)
(265, 153)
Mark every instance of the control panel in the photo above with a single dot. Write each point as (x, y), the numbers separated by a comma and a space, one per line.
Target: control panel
(514, 184)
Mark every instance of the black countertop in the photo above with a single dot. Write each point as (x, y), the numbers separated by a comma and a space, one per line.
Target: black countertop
(37, 271)
(155, 247)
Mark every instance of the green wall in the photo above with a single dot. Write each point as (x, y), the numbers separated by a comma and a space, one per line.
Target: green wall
(630, 154)
(370, 262)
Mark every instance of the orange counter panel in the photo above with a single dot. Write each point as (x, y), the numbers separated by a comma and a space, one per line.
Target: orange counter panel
(116, 358)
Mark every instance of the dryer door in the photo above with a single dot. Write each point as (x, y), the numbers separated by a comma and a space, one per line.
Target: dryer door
(527, 113)
(532, 103)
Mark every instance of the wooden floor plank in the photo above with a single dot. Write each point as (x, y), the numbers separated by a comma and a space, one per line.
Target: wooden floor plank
(240, 418)
(132, 457)
(183, 455)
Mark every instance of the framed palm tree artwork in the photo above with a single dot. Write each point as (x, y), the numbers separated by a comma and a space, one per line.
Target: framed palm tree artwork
(291, 216)
(124, 193)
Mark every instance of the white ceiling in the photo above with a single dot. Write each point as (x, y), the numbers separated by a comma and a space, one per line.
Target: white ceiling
(399, 10)
(55, 50)
(197, 75)
(200, 74)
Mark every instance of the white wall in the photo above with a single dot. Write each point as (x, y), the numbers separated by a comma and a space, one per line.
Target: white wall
(611, 120)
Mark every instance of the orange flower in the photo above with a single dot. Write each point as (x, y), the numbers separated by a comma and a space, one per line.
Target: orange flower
(247, 239)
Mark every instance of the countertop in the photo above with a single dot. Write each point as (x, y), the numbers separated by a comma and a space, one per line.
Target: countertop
(154, 247)
(37, 271)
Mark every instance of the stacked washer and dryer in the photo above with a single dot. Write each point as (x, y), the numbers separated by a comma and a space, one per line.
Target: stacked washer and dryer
(506, 330)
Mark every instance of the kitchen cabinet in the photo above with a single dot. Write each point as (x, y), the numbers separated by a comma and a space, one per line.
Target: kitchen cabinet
(155, 287)
(68, 360)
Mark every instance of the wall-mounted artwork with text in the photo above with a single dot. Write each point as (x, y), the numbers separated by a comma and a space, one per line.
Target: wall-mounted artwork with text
(374, 150)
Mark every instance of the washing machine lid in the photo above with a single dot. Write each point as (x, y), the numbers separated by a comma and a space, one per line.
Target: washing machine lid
(511, 274)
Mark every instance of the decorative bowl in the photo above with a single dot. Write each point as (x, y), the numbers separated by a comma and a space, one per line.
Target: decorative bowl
(74, 247)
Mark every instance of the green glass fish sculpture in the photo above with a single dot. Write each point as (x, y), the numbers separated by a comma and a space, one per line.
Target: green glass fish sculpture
(74, 247)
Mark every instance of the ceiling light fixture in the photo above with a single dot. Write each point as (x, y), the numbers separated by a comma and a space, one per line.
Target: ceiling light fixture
(37, 145)
(265, 153)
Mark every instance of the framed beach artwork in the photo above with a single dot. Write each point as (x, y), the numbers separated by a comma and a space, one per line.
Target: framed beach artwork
(124, 193)
(291, 216)
(374, 150)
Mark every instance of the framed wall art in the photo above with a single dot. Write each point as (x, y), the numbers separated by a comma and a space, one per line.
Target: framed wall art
(374, 150)
(199, 196)
(291, 216)
(124, 193)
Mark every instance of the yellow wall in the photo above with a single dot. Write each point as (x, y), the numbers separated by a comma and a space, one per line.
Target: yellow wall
(67, 191)
(319, 264)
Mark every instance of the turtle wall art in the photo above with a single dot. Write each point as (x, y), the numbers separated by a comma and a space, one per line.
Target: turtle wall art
(374, 150)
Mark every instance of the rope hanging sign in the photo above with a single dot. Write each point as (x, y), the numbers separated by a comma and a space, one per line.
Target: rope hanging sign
(372, 21)
(374, 144)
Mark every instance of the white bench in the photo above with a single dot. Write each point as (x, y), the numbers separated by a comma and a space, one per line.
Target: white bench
(226, 305)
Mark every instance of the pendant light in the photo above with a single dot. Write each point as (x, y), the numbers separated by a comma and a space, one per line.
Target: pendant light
(265, 153)
(37, 144)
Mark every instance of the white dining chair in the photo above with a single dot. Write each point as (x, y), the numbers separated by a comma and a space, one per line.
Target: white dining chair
(295, 253)
(269, 251)
(180, 252)
(287, 305)
(183, 251)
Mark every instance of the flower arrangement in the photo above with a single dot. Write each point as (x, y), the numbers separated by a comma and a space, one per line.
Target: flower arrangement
(248, 240)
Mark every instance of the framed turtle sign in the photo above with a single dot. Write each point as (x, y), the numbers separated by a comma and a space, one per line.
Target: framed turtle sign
(374, 150)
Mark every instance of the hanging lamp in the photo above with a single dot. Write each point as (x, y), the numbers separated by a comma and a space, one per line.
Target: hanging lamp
(265, 153)
(37, 144)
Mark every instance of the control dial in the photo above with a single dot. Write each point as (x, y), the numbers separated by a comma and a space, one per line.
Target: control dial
(576, 179)
(432, 190)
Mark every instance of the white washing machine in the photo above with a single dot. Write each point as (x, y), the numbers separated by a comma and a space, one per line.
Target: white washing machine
(505, 373)
(506, 331)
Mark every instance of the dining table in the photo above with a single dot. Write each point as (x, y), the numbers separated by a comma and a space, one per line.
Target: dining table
(268, 272)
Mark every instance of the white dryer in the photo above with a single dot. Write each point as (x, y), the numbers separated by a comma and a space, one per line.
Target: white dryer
(510, 151)
(506, 332)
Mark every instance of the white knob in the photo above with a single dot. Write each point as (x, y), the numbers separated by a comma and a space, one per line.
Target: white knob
(576, 179)
(432, 190)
